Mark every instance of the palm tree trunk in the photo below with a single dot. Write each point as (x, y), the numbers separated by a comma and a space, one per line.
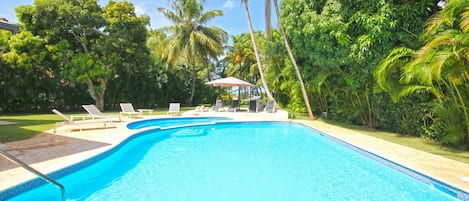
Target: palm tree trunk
(194, 75)
(205, 60)
(190, 64)
(292, 58)
(256, 51)
(268, 24)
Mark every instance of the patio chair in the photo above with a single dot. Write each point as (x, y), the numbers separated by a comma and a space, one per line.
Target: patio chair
(128, 109)
(94, 112)
(174, 109)
(234, 106)
(218, 106)
(270, 106)
(69, 121)
(253, 106)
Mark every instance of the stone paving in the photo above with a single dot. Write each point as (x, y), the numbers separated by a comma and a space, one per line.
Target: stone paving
(48, 152)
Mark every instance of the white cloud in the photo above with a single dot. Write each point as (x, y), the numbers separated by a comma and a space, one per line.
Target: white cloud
(229, 4)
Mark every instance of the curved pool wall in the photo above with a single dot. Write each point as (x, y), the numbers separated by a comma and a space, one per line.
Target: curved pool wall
(174, 121)
(21, 188)
(443, 187)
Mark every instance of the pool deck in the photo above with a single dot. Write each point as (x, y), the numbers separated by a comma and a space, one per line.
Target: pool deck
(48, 152)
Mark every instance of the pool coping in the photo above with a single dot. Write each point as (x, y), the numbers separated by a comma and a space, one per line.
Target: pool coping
(313, 125)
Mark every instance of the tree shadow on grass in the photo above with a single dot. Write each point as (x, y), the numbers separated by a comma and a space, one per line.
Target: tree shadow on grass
(22, 129)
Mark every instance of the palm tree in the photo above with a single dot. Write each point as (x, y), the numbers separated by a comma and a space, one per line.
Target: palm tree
(292, 58)
(256, 52)
(241, 57)
(189, 38)
(439, 67)
(287, 46)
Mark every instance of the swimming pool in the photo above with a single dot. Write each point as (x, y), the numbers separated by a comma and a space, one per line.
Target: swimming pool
(174, 121)
(235, 161)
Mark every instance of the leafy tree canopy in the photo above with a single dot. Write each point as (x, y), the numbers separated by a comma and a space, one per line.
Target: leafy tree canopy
(89, 42)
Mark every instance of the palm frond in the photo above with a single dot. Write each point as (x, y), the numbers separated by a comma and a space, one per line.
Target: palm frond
(443, 38)
(209, 15)
(407, 90)
(438, 62)
(172, 16)
(395, 58)
(215, 33)
(464, 24)
(417, 72)
(447, 17)
(320, 79)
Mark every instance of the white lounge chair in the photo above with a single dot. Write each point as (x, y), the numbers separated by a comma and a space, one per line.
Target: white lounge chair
(94, 112)
(68, 121)
(174, 109)
(128, 109)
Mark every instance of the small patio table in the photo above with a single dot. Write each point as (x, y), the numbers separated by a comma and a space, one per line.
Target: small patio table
(145, 110)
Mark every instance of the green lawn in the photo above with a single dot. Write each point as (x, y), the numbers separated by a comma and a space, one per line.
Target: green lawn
(26, 126)
(29, 125)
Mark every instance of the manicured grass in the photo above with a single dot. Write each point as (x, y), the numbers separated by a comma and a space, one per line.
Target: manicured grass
(29, 125)
(26, 126)
(405, 140)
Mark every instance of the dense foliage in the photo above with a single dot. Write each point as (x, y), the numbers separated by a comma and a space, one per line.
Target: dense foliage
(439, 68)
(70, 53)
(395, 65)
(339, 43)
(86, 42)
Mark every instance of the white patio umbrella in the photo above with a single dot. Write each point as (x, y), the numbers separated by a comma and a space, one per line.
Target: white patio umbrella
(230, 82)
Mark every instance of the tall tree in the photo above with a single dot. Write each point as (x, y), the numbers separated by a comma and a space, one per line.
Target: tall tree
(89, 41)
(256, 51)
(292, 59)
(189, 37)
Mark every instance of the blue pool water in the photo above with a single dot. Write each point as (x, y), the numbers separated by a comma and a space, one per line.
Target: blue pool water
(174, 121)
(256, 161)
